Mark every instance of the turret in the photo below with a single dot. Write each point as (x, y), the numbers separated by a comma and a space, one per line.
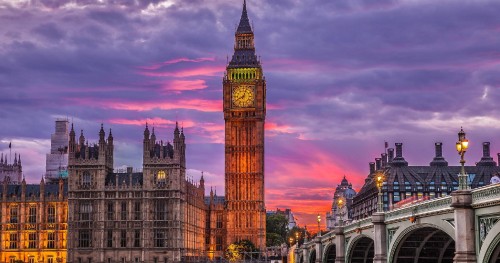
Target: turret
(72, 140)
(110, 138)
(202, 182)
(102, 136)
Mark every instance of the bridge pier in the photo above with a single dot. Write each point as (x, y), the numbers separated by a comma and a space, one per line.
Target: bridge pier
(297, 255)
(319, 249)
(339, 244)
(380, 247)
(465, 245)
(304, 255)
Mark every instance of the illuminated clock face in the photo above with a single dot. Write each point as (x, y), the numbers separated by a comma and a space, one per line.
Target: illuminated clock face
(243, 96)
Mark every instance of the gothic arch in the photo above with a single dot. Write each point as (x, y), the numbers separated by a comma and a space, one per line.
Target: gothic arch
(312, 256)
(490, 250)
(330, 253)
(414, 239)
(364, 246)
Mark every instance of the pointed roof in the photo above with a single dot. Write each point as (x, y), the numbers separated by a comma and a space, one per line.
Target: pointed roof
(244, 26)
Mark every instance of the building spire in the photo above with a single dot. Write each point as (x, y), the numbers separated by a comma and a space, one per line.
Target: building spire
(244, 26)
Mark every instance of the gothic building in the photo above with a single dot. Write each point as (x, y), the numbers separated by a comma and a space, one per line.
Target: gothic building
(345, 192)
(11, 172)
(151, 216)
(33, 222)
(244, 103)
(405, 183)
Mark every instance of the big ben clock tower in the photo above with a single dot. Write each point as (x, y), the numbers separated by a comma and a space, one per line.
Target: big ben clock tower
(244, 89)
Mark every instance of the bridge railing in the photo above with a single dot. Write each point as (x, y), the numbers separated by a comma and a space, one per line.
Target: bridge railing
(486, 196)
(434, 206)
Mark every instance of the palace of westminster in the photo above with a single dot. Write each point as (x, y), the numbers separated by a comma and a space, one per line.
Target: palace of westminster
(84, 211)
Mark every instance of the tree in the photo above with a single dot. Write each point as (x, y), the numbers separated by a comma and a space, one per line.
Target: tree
(276, 230)
(243, 249)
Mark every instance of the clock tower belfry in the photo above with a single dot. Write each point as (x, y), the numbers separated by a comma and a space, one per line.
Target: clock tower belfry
(244, 102)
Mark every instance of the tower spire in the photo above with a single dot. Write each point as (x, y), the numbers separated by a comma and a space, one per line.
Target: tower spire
(244, 26)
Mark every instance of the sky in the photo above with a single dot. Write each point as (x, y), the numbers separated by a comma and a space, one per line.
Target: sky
(342, 77)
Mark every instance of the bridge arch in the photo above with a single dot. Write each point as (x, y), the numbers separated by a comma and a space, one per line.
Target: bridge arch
(490, 250)
(330, 254)
(312, 256)
(423, 243)
(361, 250)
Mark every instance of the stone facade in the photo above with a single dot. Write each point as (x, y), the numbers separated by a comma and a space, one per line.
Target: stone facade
(11, 172)
(405, 184)
(344, 190)
(153, 216)
(33, 222)
(244, 103)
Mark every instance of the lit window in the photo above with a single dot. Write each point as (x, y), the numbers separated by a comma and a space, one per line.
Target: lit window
(161, 177)
(32, 240)
(13, 241)
(51, 211)
(32, 215)
(51, 240)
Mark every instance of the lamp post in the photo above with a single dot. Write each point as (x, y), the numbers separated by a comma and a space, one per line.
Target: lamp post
(291, 241)
(319, 228)
(379, 180)
(340, 206)
(297, 237)
(462, 146)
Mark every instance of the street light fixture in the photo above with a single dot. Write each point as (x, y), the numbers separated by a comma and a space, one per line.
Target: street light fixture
(462, 146)
(319, 228)
(379, 180)
(340, 206)
(291, 240)
(297, 237)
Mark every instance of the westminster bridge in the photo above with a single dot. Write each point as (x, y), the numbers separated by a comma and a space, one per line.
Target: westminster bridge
(461, 227)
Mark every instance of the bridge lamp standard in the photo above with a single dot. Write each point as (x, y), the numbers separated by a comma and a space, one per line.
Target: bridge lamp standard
(340, 206)
(291, 241)
(319, 228)
(297, 237)
(379, 180)
(462, 146)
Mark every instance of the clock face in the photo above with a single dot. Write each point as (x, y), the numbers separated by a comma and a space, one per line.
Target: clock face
(243, 96)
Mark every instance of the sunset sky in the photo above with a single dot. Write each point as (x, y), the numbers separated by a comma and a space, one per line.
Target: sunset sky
(342, 78)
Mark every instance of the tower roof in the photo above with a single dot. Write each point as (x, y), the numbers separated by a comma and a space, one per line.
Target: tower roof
(244, 26)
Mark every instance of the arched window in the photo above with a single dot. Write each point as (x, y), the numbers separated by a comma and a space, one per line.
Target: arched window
(86, 178)
(161, 177)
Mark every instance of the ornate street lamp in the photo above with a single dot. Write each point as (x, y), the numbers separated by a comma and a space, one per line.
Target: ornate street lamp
(462, 146)
(319, 228)
(291, 241)
(340, 206)
(297, 237)
(379, 180)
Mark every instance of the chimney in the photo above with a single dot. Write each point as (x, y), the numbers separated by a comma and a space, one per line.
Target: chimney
(399, 150)
(384, 160)
(390, 157)
(486, 160)
(486, 149)
(439, 159)
(372, 166)
(498, 155)
(399, 160)
(378, 163)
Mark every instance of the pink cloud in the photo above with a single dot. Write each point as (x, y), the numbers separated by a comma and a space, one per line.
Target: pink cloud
(183, 85)
(152, 121)
(209, 71)
(193, 104)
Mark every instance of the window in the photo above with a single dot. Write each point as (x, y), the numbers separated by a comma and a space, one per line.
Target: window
(396, 197)
(50, 259)
(218, 243)
(123, 238)
(161, 177)
(160, 210)
(84, 237)
(86, 179)
(219, 221)
(85, 211)
(111, 210)
(13, 214)
(32, 215)
(51, 240)
(137, 211)
(137, 238)
(110, 238)
(159, 237)
(124, 211)
(51, 214)
(13, 241)
(32, 240)
(12, 259)
(31, 259)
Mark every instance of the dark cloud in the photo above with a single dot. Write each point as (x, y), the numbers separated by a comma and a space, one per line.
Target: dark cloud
(340, 82)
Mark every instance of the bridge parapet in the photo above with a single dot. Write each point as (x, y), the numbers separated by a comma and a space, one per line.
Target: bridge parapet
(486, 196)
(358, 225)
(431, 207)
